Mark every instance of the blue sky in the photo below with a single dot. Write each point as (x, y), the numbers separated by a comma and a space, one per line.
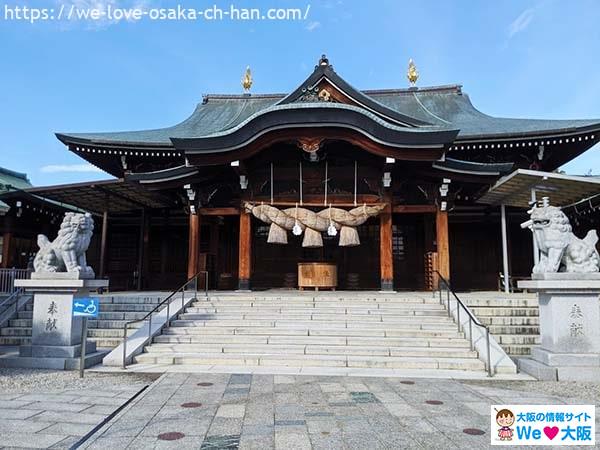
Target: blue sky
(535, 59)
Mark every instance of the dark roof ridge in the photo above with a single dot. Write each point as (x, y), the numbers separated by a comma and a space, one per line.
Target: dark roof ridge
(207, 97)
(12, 173)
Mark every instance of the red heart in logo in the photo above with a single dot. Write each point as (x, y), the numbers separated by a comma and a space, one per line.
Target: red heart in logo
(551, 432)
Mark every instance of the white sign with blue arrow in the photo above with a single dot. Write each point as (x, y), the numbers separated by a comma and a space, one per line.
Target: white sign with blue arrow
(86, 307)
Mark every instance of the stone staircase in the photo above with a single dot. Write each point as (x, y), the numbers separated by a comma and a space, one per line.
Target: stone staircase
(513, 319)
(355, 330)
(107, 331)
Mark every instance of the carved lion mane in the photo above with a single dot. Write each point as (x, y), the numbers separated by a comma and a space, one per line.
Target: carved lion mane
(561, 250)
(67, 252)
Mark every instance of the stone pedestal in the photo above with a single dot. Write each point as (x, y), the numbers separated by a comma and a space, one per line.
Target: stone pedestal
(56, 334)
(569, 327)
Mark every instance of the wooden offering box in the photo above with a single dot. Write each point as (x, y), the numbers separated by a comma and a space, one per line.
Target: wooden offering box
(317, 275)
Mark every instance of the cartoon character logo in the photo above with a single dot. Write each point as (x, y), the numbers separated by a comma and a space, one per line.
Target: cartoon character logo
(505, 419)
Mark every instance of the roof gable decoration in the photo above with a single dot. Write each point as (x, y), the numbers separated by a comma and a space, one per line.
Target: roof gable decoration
(324, 85)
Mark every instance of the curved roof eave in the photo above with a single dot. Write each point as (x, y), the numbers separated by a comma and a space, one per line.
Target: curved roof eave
(315, 115)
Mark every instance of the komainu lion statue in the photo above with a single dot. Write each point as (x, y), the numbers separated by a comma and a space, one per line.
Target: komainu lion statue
(560, 249)
(67, 252)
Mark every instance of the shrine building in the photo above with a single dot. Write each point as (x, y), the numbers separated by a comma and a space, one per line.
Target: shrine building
(382, 187)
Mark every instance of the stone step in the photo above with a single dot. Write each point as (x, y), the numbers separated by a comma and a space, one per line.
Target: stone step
(517, 349)
(509, 312)
(299, 349)
(514, 329)
(110, 324)
(519, 320)
(473, 302)
(397, 362)
(312, 340)
(131, 300)
(341, 322)
(309, 304)
(120, 307)
(15, 331)
(20, 323)
(321, 331)
(15, 340)
(108, 333)
(511, 339)
(25, 315)
(427, 298)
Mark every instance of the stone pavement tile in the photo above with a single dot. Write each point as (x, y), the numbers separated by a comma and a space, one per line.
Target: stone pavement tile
(231, 411)
(326, 442)
(363, 440)
(328, 425)
(55, 406)
(18, 413)
(284, 379)
(192, 428)
(13, 404)
(125, 427)
(482, 408)
(332, 387)
(31, 440)
(50, 398)
(139, 443)
(222, 442)
(289, 412)
(94, 393)
(240, 379)
(388, 396)
(401, 409)
(222, 426)
(55, 416)
(67, 443)
(110, 401)
(8, 397)
(435, 441)
(259, 414)
(257, 430)
(417, 425)
(9, 426)
(177, 412)
(286, 398)
(73, 429)
(100, 409)
(105, 443)
(187, 442)
(256, 442)
(285, 440)
(353, 385)
(397, 439)
(338, 397)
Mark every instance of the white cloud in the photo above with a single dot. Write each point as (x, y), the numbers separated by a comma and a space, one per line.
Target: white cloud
(313, 25)
(520, 23)
(69, 168)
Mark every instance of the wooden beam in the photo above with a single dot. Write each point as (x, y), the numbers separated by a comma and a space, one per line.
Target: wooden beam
(386, 259)
(414, 209)
(193, 245)
(443, 246)
(103, 238)
(219, 211)
(245, 252)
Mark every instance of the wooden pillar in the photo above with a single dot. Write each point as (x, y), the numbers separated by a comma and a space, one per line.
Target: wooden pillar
(103, 238)
(193, 245)
(443, 246)
(6, 249)
(386, 260)
(245, 252)
(141, 249)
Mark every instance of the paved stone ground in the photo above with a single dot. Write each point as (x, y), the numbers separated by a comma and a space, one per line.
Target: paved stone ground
(54, 409)
(260, 412)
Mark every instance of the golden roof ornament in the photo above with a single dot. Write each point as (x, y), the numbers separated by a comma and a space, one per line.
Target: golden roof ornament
(412, 74)
(247, 80)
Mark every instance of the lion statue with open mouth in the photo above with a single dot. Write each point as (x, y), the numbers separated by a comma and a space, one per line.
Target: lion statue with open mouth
(560, 249)
(67, 252)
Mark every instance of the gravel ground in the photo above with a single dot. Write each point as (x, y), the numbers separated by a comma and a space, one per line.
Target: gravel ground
(588, 391)
(47, 381)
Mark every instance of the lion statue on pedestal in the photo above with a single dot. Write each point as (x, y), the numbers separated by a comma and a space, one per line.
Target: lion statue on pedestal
(67, 252)
(560, 249)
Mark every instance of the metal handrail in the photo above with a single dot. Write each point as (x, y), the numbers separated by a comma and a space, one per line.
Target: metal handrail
(472, 318)
(158, 307)
(15, 295)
